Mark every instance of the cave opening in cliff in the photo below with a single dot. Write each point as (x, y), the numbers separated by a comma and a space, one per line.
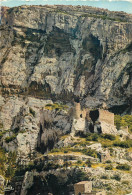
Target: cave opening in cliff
(94, 115)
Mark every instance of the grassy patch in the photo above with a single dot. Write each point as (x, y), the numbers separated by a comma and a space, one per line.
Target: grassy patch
(98, 165)
(56, 106)
(106, 140)
(64, 137)
(88, 152)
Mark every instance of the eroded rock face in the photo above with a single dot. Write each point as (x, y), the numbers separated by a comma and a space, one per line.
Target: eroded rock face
(27, 182)
(31, 126)
(53, 124)
(21, 118)
(59, 53)
(63, 51)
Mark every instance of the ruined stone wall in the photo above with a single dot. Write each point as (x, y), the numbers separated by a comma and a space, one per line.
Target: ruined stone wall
(78, 188)
(100, 121)
(105, 156)
(83, 187)
(77, 111)
(84, 113)
(95, 193)
(106, 116)
(87, 115)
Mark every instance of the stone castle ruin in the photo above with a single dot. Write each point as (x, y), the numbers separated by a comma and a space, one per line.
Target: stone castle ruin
(94, 121)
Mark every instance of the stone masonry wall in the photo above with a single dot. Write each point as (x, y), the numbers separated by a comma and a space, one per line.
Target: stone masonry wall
(78, 112)
(83, 187)
(95, 193)
(106, 116)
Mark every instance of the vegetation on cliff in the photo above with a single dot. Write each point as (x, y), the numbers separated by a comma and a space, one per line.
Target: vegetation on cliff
(123, 121)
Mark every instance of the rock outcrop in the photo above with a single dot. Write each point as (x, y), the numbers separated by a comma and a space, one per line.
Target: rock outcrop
(33, 125)
(65, 51)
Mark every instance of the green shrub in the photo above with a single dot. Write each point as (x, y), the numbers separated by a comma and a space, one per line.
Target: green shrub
(123, 167)
(55, 150)
(89, 138)
(88, 163)
(106, 144)
(125, 120)
(95, 137)
(12, 157)
(22, 131)
(10, 138)
(79, 162)
(89, 152)
(109, 188)
(111, 151)
(9, 172)
(125, 182)
(109, 167)
(67, 164)
(123, 144)
(109, 136)
(7, 163)
(92, 137)
(104, 177)
(49, 104)
(117, 121)
(116, 177)
(56, 106)
(83, 144)
(108, 161)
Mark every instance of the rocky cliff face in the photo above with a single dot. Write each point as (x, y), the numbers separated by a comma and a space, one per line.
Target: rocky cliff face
(62, 52)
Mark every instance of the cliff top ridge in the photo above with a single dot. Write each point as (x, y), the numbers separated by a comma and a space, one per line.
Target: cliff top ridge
(77, 11)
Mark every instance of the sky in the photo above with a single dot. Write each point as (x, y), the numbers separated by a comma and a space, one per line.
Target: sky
(113, 5)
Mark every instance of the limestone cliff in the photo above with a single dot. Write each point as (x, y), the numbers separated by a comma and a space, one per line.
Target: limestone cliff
(60, 52)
